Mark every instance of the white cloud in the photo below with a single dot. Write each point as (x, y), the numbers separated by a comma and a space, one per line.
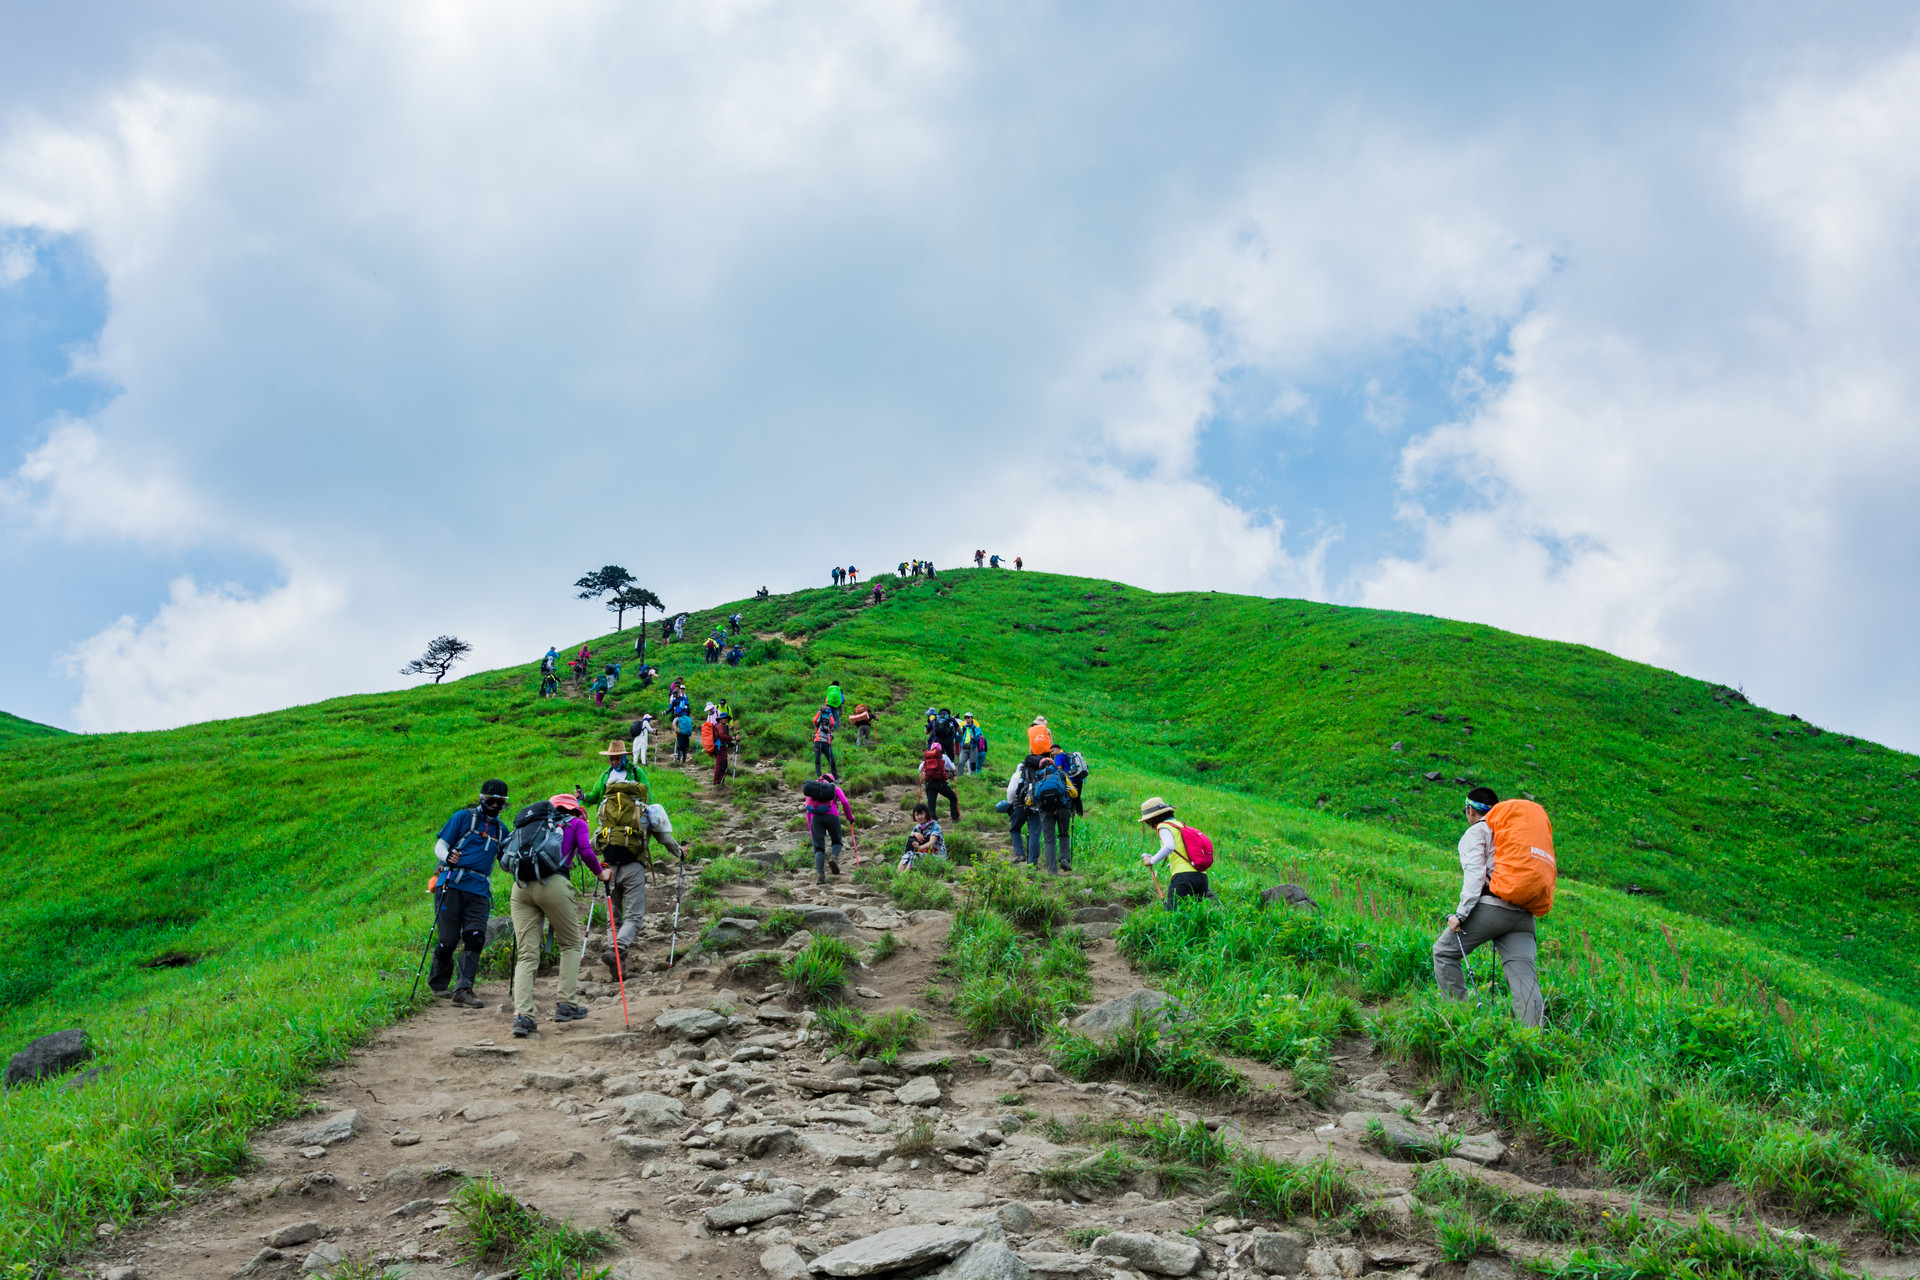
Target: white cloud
(76, 487)
(17, 262)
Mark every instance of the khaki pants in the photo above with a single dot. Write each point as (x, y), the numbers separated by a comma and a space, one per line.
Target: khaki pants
(1511, 932)
(550, 900)
(629, 890)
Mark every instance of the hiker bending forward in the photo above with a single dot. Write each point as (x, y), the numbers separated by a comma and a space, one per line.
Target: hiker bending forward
(1480, 917)
(826, 805)
(551, 900)
(1184, 882)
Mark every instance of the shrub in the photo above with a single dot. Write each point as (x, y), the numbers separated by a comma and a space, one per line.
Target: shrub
(500, 1230)
(1140, 1050)
(1282, 1189)
(818, 971)
(728, 870)
(885, 947)
(918, 1139)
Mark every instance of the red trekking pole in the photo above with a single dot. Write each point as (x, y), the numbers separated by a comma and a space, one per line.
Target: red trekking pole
(613, 937)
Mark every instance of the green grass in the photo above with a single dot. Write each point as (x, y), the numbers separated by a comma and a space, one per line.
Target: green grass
(723, 871)
(817, 972)
(286, 855)
(502, 1232)
(882, 1034)
(13, 729)
(1004, 981)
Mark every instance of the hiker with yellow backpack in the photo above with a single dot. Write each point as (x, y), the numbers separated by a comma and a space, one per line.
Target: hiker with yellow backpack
(625, 820)
(1507, 874)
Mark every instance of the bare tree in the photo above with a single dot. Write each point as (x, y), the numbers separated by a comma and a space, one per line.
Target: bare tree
(631, 597)
(442, 652)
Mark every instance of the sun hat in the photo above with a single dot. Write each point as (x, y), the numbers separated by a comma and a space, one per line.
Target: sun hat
(1153, 809)
(615, 748)
(1039, 720)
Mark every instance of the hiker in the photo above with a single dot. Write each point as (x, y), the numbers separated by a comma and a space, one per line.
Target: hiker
(620, 768)
(825, 804)
(722, 742)
(835, 698)
(680, 627)
(969, 735)
(935, 768)
(1186, 851)
(548, 663)
(761, 594)
(1023, 819)
(1039, 737)
(683, 735)
(947, 731)
(978, 556)
(1041, 799)
(734, 654)
(550, 899)
(612, 672)
(713, 652)
(862, 718)
(1507, 876)
(599, 690)
(1018, 563)
(625, 819)
(833, 575)
(925, 840)
(931, 575)
(465, 848)
(853, 576)
(824, 721)
(1074, 766)
(903, 568)
(641, 732)
(878, 594)
(995, 560)
(733, 621)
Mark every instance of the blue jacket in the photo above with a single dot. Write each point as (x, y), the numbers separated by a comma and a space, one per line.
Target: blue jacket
(477, 840)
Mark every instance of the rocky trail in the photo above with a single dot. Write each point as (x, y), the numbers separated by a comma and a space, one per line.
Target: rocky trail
(716, 1136)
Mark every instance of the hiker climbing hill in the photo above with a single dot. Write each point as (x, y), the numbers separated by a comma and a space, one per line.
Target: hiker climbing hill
(1507, 875)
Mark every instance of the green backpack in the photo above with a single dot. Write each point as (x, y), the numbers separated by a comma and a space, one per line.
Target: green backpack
(835, 697)
(623, 818)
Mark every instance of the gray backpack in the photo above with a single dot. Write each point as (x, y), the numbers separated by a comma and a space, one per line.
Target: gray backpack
(532, 852)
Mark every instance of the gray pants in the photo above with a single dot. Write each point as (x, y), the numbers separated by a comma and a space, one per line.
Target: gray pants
(1056, 825)
(1511, 933)
(629, 890)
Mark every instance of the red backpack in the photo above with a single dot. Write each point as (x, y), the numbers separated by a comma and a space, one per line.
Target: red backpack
(934, 764)
(1198, 846)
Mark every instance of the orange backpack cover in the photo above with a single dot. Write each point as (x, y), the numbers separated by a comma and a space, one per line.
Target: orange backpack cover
(1039, 740)
(1523, 865)
(706, 737)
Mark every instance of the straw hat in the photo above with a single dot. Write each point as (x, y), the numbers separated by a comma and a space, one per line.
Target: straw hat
(616, 749)
(1153, 809)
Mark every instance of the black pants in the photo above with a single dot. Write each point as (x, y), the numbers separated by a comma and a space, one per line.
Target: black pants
(825, 825)
(460, 917)
(826, 749)
(1188, 884)
(938, 788)
(682, 742)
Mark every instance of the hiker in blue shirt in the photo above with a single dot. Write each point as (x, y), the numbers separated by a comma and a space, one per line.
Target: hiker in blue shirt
(466, 848)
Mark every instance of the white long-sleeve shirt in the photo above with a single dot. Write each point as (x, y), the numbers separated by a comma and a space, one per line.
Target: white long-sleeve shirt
(1476, 869)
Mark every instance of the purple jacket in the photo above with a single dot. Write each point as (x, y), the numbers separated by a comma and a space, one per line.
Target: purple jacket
(839, 802)
(577, 841)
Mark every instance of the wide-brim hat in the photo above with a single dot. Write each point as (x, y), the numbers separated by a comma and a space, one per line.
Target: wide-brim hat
(1153, 809)
(616, 748)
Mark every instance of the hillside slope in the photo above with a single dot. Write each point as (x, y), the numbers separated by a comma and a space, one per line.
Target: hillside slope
(260, 879)
(13, 729)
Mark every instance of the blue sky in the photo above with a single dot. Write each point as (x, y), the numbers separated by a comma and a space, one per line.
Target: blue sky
(328, 329)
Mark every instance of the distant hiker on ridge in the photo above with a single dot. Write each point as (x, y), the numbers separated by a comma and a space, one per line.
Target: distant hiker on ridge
(1507, 874)
(466, 848)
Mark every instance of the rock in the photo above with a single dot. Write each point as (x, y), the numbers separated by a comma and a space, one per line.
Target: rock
(827, 920)
(554, 1161)
(835, 1150)
(621, 1086)
(547, 1081)
(900, 1249)
(505, 1140)
(410, 1208)
(653, 1111)
(796, 940)
(402, 1176)
(690, 1024)
(486, 1109)
(729, 1214)
(1099, 930)
(123, 1273)
(1403, 1136)
(641, 1148)
(50, 1055)
(964, 1164)
(1016, 1219)
(825, 1084)
(921, 1091)
(1281, 1252)
(1481, 1149)
(337, 1127)
(1335, 1262)
(783, 1262)
(941, 1206)
(506, 1051)
(718, 1105)
(1117, 1012)
(1095, 915)
(405, 1140)
(498, 927)
(869, 993)
(1064, 1266)
(257, 1263)
(917, 1064)
(292, 1234)
(1488, 1269)
(985, 1260)
(1151, 1253)
(756, 1141)
(313, 1153)
(1291, 894)
(325, 1257)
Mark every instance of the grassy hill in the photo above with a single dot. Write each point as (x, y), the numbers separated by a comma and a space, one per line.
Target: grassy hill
(228, 905)
(13, 729)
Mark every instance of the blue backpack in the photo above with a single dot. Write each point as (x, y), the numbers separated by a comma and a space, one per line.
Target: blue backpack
(1051, 789)
(683, 723)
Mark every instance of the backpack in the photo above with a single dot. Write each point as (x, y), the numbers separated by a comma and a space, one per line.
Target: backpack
(818, 790)
(1051, 790)
(706, 736)
(934, 764)
(860, 714)
(532, 852)
(1198, 847)
(683, 723)
(1076, 766)
(1523, 867)
(1039, 739)
(835, 697)
(623, 818)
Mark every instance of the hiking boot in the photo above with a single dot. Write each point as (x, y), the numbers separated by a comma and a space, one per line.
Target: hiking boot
(465, 998)
(565, 1012)
(821, 880)
(524, 1026)
(439, 993)
(834, 867)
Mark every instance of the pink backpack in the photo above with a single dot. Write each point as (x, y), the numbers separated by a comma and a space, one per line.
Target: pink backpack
(1199, 847)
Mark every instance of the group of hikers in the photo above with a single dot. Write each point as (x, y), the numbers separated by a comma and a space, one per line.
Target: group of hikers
(850, 576)
(982, 560)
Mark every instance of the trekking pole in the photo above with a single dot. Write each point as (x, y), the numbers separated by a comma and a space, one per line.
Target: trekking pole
(1158, 892)
(1466, 965)
(433, 926)
(673, 943)
(613, 940)
(588, 931)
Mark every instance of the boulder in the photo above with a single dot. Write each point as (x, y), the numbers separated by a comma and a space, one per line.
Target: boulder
(901, 1249)
(1016, 1218)
(985, 1260)
(1291, 894)
(1403, 1136)
(498, 928)
(796, 940)
(827, 920)
(732, 931)
(325, 1257)
(505, 1140)
(1282, 1252)
(48, 1056)
(718, 1105)
(293, 1233)
(834, 1150)
(1064, 1266)
(1481, 1149)
(554, 1161)
(1096, 915)
(744, 1212)
(783, 1262)
(941, 1206)
(547, 1081)
(1117, 1012)
(337, 1127)
(1151, 1253)
(1099, 929)
(756, 1141)
(921, 1091)
(1489, 1269)
(653, 1111)
(486, 1109)
(915, 1064)
(641, 1148)
(690, 1024)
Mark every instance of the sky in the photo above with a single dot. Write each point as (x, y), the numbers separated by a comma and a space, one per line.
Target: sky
(328, 328)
